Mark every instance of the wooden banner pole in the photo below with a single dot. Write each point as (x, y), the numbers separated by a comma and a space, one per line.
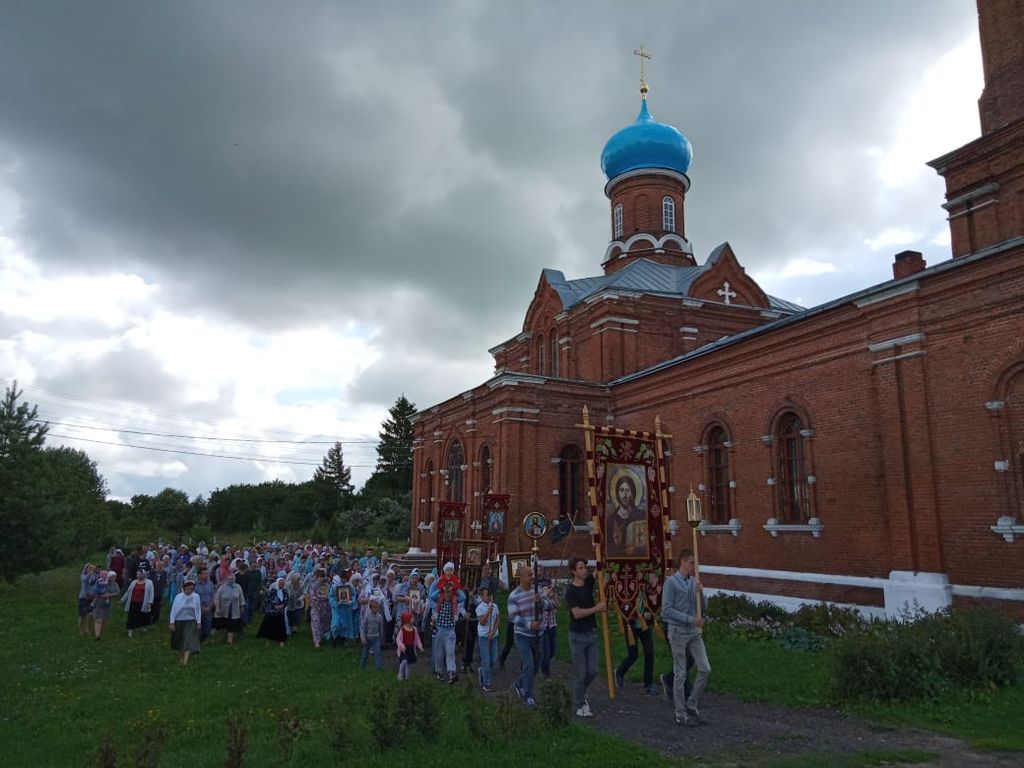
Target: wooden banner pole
(595, 521)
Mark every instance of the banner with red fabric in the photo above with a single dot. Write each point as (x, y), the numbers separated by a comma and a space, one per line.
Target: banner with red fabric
(627, 474)
(450, 519)
(495, 518)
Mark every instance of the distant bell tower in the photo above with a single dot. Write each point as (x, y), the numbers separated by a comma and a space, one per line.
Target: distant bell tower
(985, 179)
(646, 164)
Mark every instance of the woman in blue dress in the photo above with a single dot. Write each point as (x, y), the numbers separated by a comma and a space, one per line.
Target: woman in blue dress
(341, 612)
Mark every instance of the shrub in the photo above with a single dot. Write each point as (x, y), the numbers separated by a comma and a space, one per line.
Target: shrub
(827, 620)
(728, 608)
(383, 717)
(926, 658)
(419, 710)
(800, 639)
(555, 704)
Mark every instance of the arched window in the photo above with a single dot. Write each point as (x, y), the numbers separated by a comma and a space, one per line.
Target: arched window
(1014, 435)
(541, 354)
(617, 221)
(571, 484)
(668, 214)
(454, 468)
(554, 354)
(485, 470)
(718, 476)
(794, 492)
(428, 494)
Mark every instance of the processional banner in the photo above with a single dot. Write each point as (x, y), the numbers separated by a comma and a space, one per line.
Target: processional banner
(495, 517)
(627, 475)
(450, 517)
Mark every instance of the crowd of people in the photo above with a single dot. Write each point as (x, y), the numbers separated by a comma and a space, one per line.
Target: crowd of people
(347, 596)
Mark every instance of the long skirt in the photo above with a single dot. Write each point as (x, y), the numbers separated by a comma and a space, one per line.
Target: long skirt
(273, 627)
(136, 618)
(228, 625)
(185, 637)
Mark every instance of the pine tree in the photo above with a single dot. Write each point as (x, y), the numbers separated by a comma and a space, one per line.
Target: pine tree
(333, 474)
(394, 452)
(20, 427)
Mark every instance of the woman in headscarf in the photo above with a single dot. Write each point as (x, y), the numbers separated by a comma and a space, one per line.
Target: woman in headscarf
(186, 613)
(275, 606)
(137, 600)
(341, 611)
(319, 606)
(228, 605)
(86, 593)
(106, 591)
(117, 566)
(358, 583)
(296, 600)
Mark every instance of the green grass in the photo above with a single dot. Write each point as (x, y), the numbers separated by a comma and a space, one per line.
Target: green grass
(63, 693)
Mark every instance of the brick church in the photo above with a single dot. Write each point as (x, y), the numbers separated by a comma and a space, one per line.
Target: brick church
(868, 451)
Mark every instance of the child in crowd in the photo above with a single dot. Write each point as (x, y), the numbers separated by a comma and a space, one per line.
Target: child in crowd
(408, 641)
(487, 615)
(370, 630)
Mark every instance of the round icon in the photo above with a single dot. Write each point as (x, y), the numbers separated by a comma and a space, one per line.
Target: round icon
(535, 525)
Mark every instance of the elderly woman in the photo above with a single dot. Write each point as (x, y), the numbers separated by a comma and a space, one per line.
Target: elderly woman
(275, 606)
(137, 600)
(106, 591)
(86, 593)
(186, 613)
(319, 606)
(296, 601)
(228, 607)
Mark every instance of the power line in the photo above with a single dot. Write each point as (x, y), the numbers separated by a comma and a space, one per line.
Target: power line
(203, 437)
(268, 459)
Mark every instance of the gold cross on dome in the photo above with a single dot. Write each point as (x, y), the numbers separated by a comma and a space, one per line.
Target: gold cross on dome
(643, 55)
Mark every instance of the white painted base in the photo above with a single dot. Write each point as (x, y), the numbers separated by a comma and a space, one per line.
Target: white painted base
(911, 592)
(413, 551)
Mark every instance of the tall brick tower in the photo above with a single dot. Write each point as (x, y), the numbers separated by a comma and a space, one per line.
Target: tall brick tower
(985, 179)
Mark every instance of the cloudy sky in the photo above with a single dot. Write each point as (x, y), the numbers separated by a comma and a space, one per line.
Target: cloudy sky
(264, 221)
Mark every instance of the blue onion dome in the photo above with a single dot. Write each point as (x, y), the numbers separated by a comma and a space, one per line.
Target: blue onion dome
(646, 144)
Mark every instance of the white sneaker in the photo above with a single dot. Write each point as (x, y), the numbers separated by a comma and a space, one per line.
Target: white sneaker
(584, 711)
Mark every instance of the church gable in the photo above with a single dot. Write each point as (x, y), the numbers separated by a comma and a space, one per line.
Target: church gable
(725, 281)
(545, 305)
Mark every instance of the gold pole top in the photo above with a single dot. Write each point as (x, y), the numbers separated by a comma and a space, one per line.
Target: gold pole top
(643, 54)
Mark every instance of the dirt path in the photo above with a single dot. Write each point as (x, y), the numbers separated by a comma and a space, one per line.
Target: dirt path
(743, 734)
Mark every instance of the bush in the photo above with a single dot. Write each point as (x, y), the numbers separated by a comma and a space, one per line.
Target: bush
(800, 639)
(728, 608)
(927, 658)
(555, 704)
(827, 620)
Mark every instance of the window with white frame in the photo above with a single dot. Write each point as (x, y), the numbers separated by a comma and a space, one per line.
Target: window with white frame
(617, 220)
(668, 214)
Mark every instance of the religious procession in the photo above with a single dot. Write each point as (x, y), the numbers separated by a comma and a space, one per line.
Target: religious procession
(282, 592)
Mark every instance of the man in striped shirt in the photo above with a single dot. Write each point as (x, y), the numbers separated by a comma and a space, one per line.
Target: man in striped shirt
(525, 607)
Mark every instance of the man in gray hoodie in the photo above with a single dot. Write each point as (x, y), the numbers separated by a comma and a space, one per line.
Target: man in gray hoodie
(679, 615)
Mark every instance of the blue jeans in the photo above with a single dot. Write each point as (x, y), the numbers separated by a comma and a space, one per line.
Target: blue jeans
(524, 645)
(488, 658)
(547, 649)
(443, 649)
(373, 644)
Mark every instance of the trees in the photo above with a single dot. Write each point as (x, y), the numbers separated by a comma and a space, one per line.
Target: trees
(394, 452)
(52, 499)
(20, 428)
(333, 475)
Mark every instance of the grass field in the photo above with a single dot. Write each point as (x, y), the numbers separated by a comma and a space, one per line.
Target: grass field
(63, 694)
